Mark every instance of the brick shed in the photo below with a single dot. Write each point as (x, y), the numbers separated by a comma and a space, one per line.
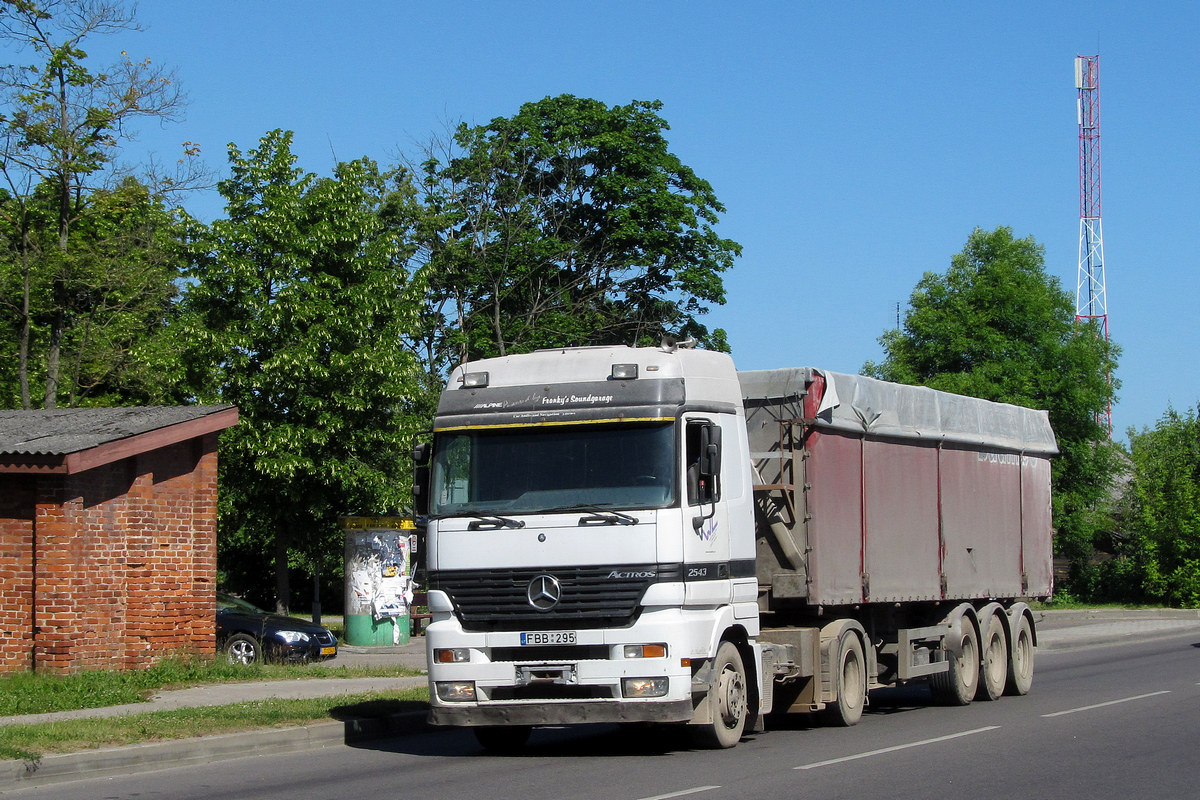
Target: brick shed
(108, 525)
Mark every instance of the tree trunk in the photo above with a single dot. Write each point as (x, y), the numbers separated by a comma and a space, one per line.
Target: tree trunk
(52, 358)
(283, 589)
(23, 345)
(497, 329)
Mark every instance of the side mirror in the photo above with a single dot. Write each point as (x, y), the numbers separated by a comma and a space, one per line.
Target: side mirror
(710, 450)
(421, 490)
(420, 453)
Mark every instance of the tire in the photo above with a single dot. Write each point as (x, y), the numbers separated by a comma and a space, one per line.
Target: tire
(994, 667)
(503, 738)
(242, 648)
(728, 701)
(849, 683)
(1020, 659)
(956, 686)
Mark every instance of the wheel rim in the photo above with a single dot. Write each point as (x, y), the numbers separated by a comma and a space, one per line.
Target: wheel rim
(968, 662)
(852, 681)
(995, 660)
(731, 697)
(1023, 653)
(241, 653)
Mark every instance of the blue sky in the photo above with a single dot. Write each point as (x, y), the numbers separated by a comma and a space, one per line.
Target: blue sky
(855, 145)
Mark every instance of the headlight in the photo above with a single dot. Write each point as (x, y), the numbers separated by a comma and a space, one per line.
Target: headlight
(644, 687)
(456, 691)
(293, 637)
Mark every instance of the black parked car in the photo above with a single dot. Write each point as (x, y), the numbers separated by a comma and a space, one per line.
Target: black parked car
(246, 634)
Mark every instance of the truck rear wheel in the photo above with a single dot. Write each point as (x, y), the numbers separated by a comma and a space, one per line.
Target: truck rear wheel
(850, 683)
(956, 686)
(728, 701)
(994, 670)
(1020, 665)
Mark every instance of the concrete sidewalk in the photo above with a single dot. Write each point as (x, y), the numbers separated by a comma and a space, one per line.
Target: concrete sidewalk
(1056, 630)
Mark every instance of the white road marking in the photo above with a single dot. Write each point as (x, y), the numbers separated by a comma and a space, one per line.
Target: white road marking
(1109, 703)
(682, 793)
(894, 748)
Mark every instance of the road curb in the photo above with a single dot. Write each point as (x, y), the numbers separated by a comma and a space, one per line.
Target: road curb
(62, 767)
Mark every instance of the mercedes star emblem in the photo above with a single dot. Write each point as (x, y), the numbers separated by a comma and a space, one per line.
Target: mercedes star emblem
(544, 592)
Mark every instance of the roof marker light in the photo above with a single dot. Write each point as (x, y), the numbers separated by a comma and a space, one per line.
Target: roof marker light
(475, 380)
(624, 372)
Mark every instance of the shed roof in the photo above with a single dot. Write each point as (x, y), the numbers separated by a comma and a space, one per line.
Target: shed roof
(71, 440)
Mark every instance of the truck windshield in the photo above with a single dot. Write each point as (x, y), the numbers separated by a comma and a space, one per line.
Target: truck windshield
(528, 470)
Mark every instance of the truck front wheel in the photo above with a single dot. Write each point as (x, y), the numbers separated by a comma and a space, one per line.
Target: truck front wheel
(728, 701)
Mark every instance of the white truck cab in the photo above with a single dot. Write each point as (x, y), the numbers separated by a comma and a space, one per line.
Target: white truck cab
(589, 551)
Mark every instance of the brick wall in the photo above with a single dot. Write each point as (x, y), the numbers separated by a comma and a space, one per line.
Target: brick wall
(119, 562)
(16, 572)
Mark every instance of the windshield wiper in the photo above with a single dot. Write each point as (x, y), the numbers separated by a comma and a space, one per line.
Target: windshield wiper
(489, 523)
(597, 514)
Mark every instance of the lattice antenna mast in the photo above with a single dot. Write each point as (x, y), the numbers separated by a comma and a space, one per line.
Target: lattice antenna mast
(1091, 299)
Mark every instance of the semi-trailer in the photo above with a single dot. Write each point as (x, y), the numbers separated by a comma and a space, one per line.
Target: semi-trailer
(646, 535)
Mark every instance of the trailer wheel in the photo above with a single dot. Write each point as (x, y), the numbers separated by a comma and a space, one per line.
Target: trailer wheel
(502, 738)
(994, 674)
(1020, 666)
(956, 686)
(850, 683)
(728, 700)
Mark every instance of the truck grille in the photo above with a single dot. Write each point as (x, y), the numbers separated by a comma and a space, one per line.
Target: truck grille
(591, 597)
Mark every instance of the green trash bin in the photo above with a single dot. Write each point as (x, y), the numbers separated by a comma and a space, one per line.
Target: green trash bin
(364, 630)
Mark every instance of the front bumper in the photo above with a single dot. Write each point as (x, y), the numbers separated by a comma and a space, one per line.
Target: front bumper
(514, 685)
(301, 651)
(566, 713)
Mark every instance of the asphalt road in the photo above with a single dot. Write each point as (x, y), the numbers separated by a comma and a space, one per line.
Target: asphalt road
(1112, 721)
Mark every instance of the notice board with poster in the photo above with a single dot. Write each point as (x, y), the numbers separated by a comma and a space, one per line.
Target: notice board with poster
(379, 579)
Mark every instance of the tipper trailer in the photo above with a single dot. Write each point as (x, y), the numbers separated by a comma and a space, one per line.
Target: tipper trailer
(646, 535)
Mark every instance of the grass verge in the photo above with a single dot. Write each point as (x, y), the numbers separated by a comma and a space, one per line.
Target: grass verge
(30, 742)
(37, 693)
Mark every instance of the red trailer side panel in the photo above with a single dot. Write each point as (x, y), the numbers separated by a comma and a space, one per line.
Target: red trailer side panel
(834, 472)
(981, 523)
(1036, 526)
(902, 546)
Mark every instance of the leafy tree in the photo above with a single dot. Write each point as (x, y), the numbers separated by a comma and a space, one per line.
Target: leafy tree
(1163, 519)
(124, 260)
(570, 223)
(61, 127)
(295, 312)
(997, 326)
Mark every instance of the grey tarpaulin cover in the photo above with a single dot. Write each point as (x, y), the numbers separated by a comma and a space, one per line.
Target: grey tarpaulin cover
(858, 404)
